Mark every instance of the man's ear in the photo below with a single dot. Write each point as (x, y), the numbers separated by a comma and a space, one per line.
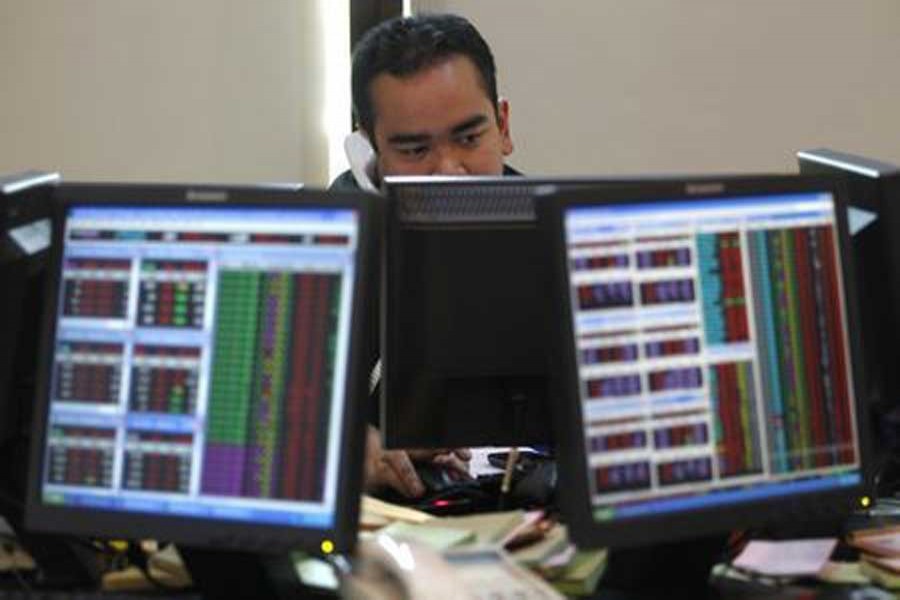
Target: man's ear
(506, 144)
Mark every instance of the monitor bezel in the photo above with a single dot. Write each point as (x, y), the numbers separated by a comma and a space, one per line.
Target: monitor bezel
(572, 463)
(203, 532)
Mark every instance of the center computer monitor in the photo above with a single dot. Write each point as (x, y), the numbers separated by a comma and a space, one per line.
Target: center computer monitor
(706, 358)
(203, 367)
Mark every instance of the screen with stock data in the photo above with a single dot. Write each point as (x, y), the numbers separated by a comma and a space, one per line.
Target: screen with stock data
(200, 362)
(712, 352)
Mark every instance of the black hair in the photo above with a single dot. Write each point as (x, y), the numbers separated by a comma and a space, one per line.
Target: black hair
(407, 45)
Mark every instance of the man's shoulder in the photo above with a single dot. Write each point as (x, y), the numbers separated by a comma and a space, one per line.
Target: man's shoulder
(508, 170)
(345, 182)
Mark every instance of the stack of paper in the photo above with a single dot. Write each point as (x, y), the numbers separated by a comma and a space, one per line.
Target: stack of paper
(788, 558)
(534, 556)
(555, 558)
(580, 576)
(375, 514)
(880, 557)
(487, 528)
(431, 535)
(532, 541)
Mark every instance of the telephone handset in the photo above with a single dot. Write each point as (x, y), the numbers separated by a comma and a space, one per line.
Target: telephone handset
(389, 569)
(361, 156)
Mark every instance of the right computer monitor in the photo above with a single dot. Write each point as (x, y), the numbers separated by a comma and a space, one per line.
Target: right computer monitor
(706, 358)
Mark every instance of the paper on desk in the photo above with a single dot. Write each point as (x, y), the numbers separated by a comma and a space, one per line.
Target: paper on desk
(842, 573)
(435, 537)
(479, 465)
(375, 513)
(789, 558)
(882, 541)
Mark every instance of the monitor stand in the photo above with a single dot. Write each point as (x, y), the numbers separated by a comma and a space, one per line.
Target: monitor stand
(220, 574)
(62, 562)
(671, 570)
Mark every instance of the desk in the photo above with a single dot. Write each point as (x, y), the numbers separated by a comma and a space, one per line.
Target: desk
(629, 572)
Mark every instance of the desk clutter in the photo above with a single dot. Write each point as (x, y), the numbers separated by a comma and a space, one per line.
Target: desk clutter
(539, 544)
(498, 544)
(530, 540)
(879, 554)
(869, 563)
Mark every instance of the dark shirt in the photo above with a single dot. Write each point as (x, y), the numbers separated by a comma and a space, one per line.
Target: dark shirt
(345, 182)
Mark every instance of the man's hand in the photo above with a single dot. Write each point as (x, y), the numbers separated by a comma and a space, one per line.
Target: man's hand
(394, 468)
(457, 460)
(391, 468)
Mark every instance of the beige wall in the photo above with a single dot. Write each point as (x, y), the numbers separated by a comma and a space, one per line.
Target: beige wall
(628, 86)
(163, 90)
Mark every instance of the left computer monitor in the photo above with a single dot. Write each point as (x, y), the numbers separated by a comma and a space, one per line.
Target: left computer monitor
(24, 239)
(201, 376)
(706, 358)
(26, 200)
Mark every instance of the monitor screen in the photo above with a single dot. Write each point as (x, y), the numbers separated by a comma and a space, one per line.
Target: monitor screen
(706, 366)
(200, 368)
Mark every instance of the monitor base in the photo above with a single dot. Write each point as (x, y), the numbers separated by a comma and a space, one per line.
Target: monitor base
(226, 575)
(672, 570)
(63, 562)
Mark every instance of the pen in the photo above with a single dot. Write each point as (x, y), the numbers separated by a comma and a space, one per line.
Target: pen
(511, 460)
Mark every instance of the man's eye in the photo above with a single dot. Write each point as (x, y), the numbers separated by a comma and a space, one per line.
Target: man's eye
(413, 151)
(470, 139)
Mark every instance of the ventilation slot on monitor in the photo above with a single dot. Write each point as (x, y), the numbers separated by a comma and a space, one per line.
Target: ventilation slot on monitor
(465, 204)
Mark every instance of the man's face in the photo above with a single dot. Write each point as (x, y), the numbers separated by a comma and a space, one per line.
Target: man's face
(439, 121)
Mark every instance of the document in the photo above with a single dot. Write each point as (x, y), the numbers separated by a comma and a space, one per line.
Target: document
(790, 558)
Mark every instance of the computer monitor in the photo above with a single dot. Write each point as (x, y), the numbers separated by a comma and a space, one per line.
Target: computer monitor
(25, 208)
(201, 378)
(705, 358)
(873, 193)
(25, 229)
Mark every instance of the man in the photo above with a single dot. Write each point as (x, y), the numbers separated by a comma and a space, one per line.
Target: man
(425, 96)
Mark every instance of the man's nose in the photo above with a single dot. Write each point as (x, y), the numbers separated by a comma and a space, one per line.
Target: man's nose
(448, 163)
